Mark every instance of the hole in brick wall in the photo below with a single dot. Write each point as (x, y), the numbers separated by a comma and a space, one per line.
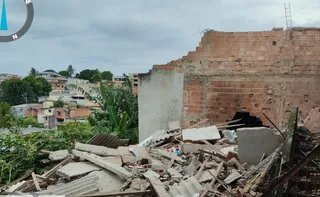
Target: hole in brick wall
(250, 95)
(256, 105)
(306, 98)
(246, 119)
(274, 43)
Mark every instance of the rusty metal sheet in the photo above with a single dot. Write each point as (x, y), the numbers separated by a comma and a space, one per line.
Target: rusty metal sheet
(110, 141)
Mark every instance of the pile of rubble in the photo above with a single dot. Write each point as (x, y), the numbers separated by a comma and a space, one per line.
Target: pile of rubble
(206, 161)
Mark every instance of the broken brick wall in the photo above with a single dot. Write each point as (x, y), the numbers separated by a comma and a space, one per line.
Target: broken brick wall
(253, 71)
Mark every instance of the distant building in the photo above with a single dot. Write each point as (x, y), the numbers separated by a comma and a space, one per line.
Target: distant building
(81, 86)
(57, 82)
(52, 117)
(25, 110)
(68, 98)
(7, 76)
(135, 81)
(118, 81)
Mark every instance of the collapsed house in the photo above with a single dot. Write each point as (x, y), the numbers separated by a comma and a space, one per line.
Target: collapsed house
(259, 72)
(195, 161)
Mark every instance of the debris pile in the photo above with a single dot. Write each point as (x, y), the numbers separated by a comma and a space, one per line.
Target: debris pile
(205, 161)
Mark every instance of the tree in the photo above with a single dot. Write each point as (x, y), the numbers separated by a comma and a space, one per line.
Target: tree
(14, 91)
(33, 72)
(58, 104)
(119, 114)
(107, 75)
(18, 91)
(71, 70)
(50, 70)
(37, 86)
(64, 73)
(30, 121)
(92, 75)
(6, 116)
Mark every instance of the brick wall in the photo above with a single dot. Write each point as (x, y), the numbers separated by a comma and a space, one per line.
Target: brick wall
(250, 71)
(79, 113)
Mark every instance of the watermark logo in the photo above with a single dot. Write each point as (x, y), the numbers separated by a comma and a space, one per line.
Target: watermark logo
(24, 28)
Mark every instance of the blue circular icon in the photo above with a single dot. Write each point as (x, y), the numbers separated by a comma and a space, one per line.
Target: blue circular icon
(25, 27)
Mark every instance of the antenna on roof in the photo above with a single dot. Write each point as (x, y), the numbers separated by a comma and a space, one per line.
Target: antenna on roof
(287, 10)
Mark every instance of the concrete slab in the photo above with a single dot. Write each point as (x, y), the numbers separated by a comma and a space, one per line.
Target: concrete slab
(58, 155)
(126, 155)
(254, 142)
(139, 151)
(204, 133)
(98, 150)
(77, 168)
(123, 173)
(193, 148)
(114, 159)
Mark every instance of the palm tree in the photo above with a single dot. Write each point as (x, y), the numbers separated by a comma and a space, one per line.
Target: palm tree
(71, 70)
(33, 72)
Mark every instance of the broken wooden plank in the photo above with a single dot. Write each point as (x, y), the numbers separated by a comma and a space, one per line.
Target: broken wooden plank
(35, 181)
(201, 168)
(26, 175)
(219, 169)
(214, 149)
(120, 171)
(256, 168)
(51, 172)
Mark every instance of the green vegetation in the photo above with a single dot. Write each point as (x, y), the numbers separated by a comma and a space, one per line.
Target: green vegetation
(50, 70)
(119, 114)
(64, 73)
(107, 75)
(18, 91)
(92, 75)
(58, 104)
(20, 153)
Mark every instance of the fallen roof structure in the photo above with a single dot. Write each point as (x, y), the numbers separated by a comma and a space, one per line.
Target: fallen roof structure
(166, 164)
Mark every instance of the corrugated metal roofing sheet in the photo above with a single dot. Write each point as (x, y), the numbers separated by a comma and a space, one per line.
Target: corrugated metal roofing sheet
(186, 188)
(110, 141)
(161, 135)
(83, 186)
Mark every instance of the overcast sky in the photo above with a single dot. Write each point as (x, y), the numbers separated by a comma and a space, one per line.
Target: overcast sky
(126, 36)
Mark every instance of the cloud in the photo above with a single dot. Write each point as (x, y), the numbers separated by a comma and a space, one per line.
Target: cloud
(130, 36)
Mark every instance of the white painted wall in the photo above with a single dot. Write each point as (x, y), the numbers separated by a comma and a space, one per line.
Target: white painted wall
(160, 98)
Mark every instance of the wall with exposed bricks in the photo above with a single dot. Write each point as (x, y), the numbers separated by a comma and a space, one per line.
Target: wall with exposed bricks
(252, 71)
